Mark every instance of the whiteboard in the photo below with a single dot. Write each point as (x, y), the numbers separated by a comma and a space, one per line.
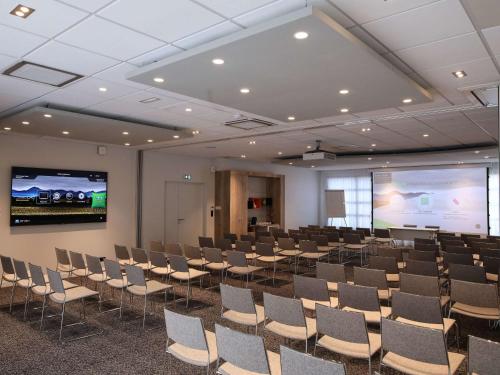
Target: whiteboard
(335, 203)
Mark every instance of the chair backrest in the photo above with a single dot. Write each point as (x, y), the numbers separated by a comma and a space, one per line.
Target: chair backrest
(491, 265)
(341, 325)
(242, 350)
(205, 241)
(236, 259)
(298, 363)
(491, 253)
(178, 263)
(331, 272)
(156, 245)
(474, 294)
(286, 243)
(449, 258)
(62, 257)
(413, 342)
(366, 231)
(486, 245)
(262, 232)
(426, 256)
(213, 255)
(360, 233)
(422, 267)
(264, 249)
(459, 250)
(158, 259)
(352, 238)
(237, 299)
(434, 248)
(300, 237)
(20, 268)
(222, 243)
(427, 241)
(321, 240)
(310, 288)
(394, 252)
(419, 284)
(139, 255)
(135, 275)
(77, 260)
(333, 236)
(445, 243)
(7, 266)
(282, 235)
(474, 274)
(55, 281)
(245, 246)
(231, 237)
(247, 237)
(113, 270)
(37, 277)
(94, 264)
(266, 239)
(192, 252)
(308, 246)
(387, 264)
(370, 277)
(416, 307)
(381, 233)
(284, 310)
(174, 249)
(358, 297)
(484, 356)
(121, 252)
(185, 330)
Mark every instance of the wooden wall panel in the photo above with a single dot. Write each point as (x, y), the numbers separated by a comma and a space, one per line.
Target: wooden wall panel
(222, 203)
(238, 206)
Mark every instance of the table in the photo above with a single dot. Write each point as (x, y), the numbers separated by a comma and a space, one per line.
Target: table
(409, 234)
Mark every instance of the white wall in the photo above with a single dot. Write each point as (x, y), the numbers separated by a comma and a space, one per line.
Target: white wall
(36, 243)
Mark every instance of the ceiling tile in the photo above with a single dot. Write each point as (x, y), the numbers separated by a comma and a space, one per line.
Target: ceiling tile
(24, 42)
(155, 55)
(484, 13)
(232, 8)
(212, 33)
(23, 88)
(88, 5)
(275, 9)
(107, 38)
(118, 74)
(92, 85)
(167, 20)
(6, 61)
(442, 19)
(75, 60)
(42, 20)
(492, 36)
(72, 98)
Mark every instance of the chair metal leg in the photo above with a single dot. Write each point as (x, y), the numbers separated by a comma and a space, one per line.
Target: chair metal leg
(43, 311)
(144, 312)
(188, 292)
(26, 303)
(62, 321)
(12, 297)
(121, 303)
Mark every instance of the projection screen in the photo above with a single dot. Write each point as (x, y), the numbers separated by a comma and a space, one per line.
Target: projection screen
(454, 199)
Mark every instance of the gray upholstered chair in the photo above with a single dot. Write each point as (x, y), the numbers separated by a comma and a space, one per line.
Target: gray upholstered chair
(159, 264)
(79, 267)
(205, 242)
(192, 343)
(382, 236)
(182, 272)
(353, 243)
(194, 256)
(393, 252)
(224, 244)
(248, 237)
(312, 291)
(8, 275)
(238, 265)
(286, 247)
(492, 267)
(387, 264)
(476, 300)
(484, 356)
(267, 256)
(473, 274)
(63, 264)
(116, 279)
(231, 236)
(122, 255)
(422, 255)
(23, 281)
(97, 275)
(422, 267)
(247, 248)
(423, 286)
(362, 299)
(309, 251)
(141, 259)
(215, 262)
(373, 277)
(238, 306)
(332, 273)
(416, 350)
(297, 363)
(346, 333)
(174, 249)
(156, 245)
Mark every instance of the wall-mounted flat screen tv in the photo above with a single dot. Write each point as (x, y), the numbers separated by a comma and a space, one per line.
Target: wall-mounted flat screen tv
(57, 196)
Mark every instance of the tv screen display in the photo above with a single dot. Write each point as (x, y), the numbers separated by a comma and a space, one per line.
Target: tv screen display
(56, 196)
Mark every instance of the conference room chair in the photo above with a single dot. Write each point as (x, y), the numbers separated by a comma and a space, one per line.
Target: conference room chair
(475, 300)
(473, 274)
(224, 244)
(63, 263)
(79, 267)
(297, 363)
(238, 306)
(332, 273)
(484, 356)
(266, 239)
(393, 252)
(286, 247)
(303, 229)
(345, 229)
(293, 231)
(425, 256)
(416, 350)
(312, 292)
(266, 255)
(137, 285)
(141, 259)
(486, 252)
(122, 255)
(8, 275)
(248, 237)
(275, 231)
(159, 264)
(345, 333)
(468, 237)
(322, 242)
(492, 267)
(422, 311)
(431, 248)
(452, 258)
(333, 238)
(205, 242)
(423, 285)
(282, 234)
(262, 232)
(382, 236)
(194, 256)
(309, 251)
(409, 226)
(191, 342)
(247, 248)
(363, 299)
(374, 278)
(460, 250)
(285, 317)
(422, 267)
(97, 275)
(62, 296)
(366, 231)
(387, 264)
(231, 237)
(182, 272)
(487, 245)
(215, 262)
(445, 243)
(23, 281)
(239, 266)
(353, 243)
(243, 353)
(300, 237)
(156, 245)
(116, 280)
(174, 249)
(425, 241)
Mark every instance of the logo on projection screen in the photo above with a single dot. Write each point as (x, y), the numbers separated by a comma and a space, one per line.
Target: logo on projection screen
(425, 202)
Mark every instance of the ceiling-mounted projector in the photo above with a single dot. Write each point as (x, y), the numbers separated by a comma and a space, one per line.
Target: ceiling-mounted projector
(319, 154)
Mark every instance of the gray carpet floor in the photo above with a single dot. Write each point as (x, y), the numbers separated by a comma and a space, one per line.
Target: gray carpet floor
(124, 348)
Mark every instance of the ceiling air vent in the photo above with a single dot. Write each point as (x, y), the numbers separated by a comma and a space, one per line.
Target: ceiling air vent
(41, 74)
(248, 123)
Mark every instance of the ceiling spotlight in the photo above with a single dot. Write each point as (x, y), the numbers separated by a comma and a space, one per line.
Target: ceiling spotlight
(460, 162)
(196, 132)
(486, 157)
(158, 80)
(370, 158)
(244, 90)
(251, 142)
(477, 152)
(22, 11)
(425, 135)
(48, 115)
(150, 141)
(313, 166)
(459, 74)
(125, 133)
(374, 145)
(126, 144)
(365, 130)
(309, 146)
(280, 153)
(387, 162)
(344, 92)
(344, 110)
(65, 132)
(300, 35)
(290, 163)
(188, 109)
(176, 136)
(7, 128)
(407, 100)
(103, 89)
(291, 118)
(25, 122)
(243, 156)
(218, 61)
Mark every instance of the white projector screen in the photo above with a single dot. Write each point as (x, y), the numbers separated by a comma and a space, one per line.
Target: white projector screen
(454, 199)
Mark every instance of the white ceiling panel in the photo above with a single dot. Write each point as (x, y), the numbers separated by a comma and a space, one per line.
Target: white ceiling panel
(87, 5)
(23, 88)
(444, 52)
(368, 39)
(42, 20)
(117, 74)
(21, 41)
(72, 98)
(166, 20)
(275, 9)
(212, 33)
(442, 19)
(438, 101)
(92, 86)
(6, 61)
(403, 125)
(155, 55)
(232, 8)
(492, 36)
(9, 100)
(72, 59)
(109, 39)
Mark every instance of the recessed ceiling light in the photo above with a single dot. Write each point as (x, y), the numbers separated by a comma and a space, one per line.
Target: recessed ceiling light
(460, 162)
(243, 156)
(486, 157)
(65, 132)
(300, 35)
(387, 162)
(370, 158)
(7, 128)
(48, 115)
(374, 145)
(25, 122)
(125, 133)
(127, 144)
(244, 90)
(103, 89)
(477, 152)
(150, 141)
(22, 11)
(313, 166)
(459, 74)
(280, 153)
(290, 163)
(425, 135)
(19, 13)
(344, 110)
(407, 100)
(251, 142)
(188, 109)
(218, 61)
(176, 136)
(308, 146)
(365, 130)
(344, 92)
(158, 80)
(291, 118)
(195, 132)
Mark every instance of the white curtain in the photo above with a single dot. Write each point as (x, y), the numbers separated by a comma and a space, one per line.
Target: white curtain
(358, 200)
(493, 201)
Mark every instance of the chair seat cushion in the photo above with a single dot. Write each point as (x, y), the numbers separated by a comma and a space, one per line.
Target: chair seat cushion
(355, 246)
(444, 300)
(293, 332)
(313, 255)
(99, 277)
(492, 277)
(274, 365)
(82, 272)
(446, 326)
(73, 294)
(352, 349)
(244, 270)
(372, 316)
(10, 277)
(117, 283)
(412, 367)
(311, 305)
(197, 262)
(271, 259)
(290, 253)
(324, 249)
(126, 261)
(251, 256)
(196, 357)
(152, 286)
(386, 294)
(244, 318)
(144, 266)
(392, 277)
(162, 271)
(217, 266)
(192, 274)
(491, 313)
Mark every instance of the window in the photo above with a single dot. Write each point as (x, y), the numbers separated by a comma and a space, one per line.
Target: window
(358, 200)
